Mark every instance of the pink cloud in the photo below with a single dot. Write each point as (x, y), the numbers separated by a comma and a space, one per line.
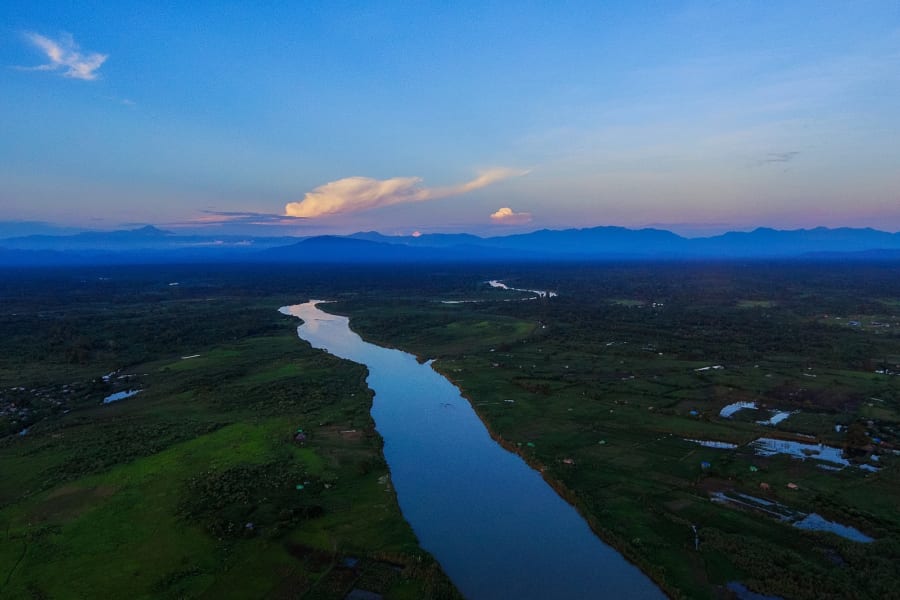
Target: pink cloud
(354, 194)
(506, 216)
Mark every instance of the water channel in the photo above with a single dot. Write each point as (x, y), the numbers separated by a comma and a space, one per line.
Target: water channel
(497, 528)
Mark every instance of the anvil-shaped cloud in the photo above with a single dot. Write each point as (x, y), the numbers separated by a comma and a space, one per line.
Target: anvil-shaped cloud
(353, 194)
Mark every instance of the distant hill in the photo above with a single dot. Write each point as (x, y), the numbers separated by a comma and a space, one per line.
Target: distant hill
(351, 249)
(143, 238)
(594, 241)
(432, 240)
(149, 244)
(607, 243)
(765, 242)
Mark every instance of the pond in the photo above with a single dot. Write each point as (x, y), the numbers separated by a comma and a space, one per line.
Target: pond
(770, 447)
(713, 444)
(120, 396)
(816, 522)
(776, 417)
(728, 411)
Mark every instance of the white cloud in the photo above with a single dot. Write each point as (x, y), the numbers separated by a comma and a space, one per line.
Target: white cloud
(353, 194)
(64, 54)
(506, 216)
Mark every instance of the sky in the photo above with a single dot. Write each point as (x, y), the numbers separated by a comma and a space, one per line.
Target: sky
(300, 118)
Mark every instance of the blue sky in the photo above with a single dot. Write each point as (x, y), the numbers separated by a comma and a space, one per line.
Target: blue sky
(697, 116)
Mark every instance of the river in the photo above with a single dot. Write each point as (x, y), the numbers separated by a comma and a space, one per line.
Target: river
(496, 527)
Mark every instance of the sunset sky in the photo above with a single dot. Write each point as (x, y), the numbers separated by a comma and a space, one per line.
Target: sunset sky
(303, 117)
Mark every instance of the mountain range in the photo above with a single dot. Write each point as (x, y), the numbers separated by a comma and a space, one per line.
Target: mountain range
(152, 245)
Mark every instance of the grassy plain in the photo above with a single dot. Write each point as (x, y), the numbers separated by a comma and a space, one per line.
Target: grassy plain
(151, 495)
(601, 388)
(188, 489)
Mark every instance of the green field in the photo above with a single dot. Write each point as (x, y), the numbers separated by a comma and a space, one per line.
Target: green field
(189, 489)
(601, 390)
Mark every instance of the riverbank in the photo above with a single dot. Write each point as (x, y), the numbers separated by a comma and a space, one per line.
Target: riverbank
(557, 484)
(619, 544)
(443, 458)
(605, 398)
(202, 485)
(567, 494)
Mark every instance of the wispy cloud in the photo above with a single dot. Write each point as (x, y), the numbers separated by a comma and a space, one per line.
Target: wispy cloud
(354, 194)
(218, 217)
(506, 216)
(65, 55)
(778, 157)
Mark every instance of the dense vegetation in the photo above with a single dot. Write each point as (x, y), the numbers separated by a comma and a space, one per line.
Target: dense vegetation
(610, 381)
(189, 489)
(197, 486)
